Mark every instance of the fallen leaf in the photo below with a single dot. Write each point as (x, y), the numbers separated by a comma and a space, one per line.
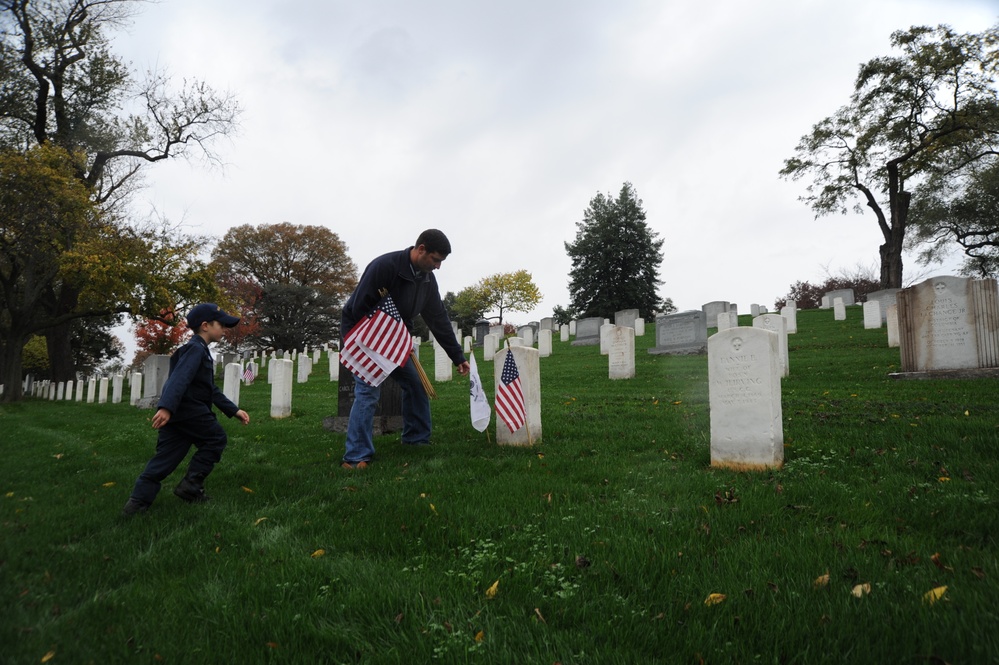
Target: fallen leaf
(108, 484)
(493, 590)
(933, 595)
(318, 553)
(246, 489)
(272, 645)
(259, 520)
(582, 562)
(938, 563)
(978, 572)
(861, 590)
(714, 599)
(479, 636)
(49, 656)
(821, 581)
(538, 613)
(57, 456)
(943, 479)
(433, 509)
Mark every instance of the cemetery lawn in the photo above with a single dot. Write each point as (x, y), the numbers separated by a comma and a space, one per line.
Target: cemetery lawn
(611, 541)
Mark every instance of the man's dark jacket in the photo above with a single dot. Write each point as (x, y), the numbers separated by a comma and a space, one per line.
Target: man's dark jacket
(190, 388)
(413, 294)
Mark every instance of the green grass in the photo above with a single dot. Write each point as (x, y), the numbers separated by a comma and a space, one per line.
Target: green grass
(606, 538)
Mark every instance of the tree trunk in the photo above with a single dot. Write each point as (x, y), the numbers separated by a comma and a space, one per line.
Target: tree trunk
(10, 368)
(59, 345)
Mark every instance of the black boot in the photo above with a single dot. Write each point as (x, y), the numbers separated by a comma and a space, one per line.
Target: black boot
(192, 489)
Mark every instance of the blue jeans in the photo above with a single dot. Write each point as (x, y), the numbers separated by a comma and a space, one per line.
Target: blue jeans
(416, 424)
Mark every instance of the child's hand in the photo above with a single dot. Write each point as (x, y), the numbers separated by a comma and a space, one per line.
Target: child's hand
(243, 417)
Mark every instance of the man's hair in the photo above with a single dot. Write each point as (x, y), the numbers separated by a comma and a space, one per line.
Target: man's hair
(434, 241)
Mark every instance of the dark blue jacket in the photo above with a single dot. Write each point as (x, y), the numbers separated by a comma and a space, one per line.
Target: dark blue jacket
(412, 295)
(190, 388)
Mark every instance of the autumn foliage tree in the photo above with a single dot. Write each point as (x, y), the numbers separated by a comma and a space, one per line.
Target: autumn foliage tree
(304, 270)
(158, 336)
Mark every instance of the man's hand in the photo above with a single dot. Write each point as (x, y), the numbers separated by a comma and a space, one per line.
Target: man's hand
(463, 368)
(160, 418)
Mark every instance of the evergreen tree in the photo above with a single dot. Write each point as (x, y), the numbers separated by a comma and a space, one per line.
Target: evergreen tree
(615, 258)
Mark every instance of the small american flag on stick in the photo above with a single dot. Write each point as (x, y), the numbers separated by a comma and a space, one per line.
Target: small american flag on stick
(377, 344)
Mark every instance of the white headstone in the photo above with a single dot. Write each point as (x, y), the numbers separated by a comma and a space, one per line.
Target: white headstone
(572, 327)
(790, 312)
(304, 368)
(544, 342)
(442, 364)
(839, 310)
(334, 365)
(233, 379)
(79, 390)
(563, 332)
(605, 331)
(639, 327)
(526, 333)
(745, 399)
(948, 323)
(60, 391)
(891, 319)
(776, 323)
(271, 364)
(117, 382)
(621, 353)
(69, 390)
(490, 343)
(91, 389)
(280, 376)
(727, 320)
(135, 388)
(529, 368)
(872, 315)
(467, 346)
(754, 310)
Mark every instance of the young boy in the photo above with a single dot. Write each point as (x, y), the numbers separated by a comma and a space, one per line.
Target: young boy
(184, 415)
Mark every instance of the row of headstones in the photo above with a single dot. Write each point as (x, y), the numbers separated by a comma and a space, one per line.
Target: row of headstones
(96, 388)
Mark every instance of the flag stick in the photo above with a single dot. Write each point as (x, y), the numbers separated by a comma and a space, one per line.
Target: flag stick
(431, 393)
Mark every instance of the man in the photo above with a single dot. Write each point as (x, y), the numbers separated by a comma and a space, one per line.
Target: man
(409, 278)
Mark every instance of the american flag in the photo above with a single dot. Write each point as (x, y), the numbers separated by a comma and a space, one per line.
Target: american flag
(377, 344)
(510, 395)
(248, 375)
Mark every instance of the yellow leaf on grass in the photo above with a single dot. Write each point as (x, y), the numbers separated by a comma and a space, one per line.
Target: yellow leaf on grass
(259, 520)
(479, 636)
(9, 495)
(966, 413)
(318, 553)
(821, 581)
(49, 656)
(110, 483)
(861, 590)
(434, 510)
(933, 595)
(246, 489)
(57, 456)
(943, 479)
(714, 598)
(493, 590)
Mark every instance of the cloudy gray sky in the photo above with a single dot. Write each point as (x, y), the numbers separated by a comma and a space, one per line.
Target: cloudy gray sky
(498, 122)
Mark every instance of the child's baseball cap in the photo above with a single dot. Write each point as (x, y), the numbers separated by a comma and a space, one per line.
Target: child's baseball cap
(209, 311)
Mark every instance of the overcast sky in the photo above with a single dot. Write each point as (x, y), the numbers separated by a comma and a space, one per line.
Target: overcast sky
(498, 122)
